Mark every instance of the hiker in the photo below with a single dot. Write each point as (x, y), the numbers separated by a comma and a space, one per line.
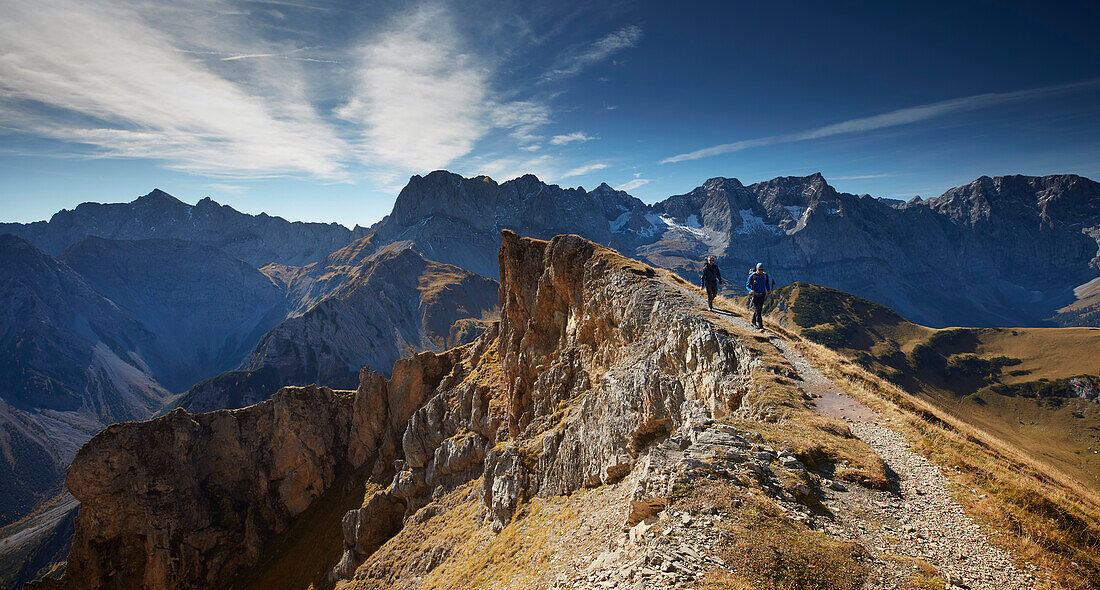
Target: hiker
(759, 284)
(712, 275)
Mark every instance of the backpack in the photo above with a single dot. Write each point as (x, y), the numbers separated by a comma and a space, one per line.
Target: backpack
(769, 284)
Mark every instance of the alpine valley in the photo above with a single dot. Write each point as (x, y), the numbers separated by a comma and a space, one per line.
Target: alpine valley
(434, 400)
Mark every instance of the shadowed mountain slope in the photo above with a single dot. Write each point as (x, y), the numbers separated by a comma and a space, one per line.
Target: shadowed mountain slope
(206, 309)
(70, 363)
(396, 304)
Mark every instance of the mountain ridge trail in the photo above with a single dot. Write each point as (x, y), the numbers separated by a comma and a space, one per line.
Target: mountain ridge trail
(918, 518)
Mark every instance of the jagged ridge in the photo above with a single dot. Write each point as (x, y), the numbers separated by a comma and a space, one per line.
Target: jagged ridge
(595, 354)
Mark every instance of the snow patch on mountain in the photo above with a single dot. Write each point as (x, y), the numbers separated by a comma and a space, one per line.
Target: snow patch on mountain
(796, 211)
(751, 224)
(663, 222)
(617, 224)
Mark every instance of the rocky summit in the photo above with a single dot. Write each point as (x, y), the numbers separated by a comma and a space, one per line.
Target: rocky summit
(607, 432)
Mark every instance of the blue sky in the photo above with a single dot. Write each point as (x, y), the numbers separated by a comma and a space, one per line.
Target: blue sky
(320, 110)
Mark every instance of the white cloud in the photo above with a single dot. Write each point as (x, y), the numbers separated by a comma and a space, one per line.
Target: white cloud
(576, 136)
(890, 119)
(532, 148)
(633, 184)
(420, 97)
(582, 170)
(624, 38)
(231, 189)
(523, 118)
(101, 75)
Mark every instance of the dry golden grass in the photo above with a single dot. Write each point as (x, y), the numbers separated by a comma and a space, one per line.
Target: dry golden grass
(447, 546)
(1051, 353)
(764, 550)
(814, 439)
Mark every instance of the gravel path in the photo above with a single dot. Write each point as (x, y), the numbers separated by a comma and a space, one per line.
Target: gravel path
(918, 519)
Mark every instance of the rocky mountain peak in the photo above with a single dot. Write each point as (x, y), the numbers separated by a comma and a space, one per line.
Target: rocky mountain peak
(157, 196)
(1065, 199)
(721, 183)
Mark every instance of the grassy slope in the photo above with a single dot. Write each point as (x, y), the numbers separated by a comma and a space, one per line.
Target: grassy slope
(957, 371)
(1020, 450)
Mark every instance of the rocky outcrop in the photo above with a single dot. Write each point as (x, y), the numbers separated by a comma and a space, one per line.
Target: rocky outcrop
(594, 357)
(190, 501)
(256, 239)
(201, 494)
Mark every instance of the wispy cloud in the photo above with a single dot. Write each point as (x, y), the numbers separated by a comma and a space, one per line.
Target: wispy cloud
(590, 55)
(522, 118)
(420, 97)
(507, 168)
(231, 189)
(302, 5)
(633, 184)
(891, 119)
(576, 136)
(582, 170)
(102, 76)
(291, 54)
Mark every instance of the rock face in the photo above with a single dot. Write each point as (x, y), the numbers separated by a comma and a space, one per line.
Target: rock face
(189, 501)
(594, 356)
(458, 220)
(256, 239)
(203, 493)
(990, 234)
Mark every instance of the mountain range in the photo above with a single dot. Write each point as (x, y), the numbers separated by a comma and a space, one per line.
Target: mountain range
(120, 311)
(998, 251)
(256, 239)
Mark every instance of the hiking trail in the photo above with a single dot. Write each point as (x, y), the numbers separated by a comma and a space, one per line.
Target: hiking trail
(917, 518)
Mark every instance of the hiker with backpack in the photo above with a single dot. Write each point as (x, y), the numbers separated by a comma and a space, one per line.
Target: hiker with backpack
(758, 286)
(712, 275)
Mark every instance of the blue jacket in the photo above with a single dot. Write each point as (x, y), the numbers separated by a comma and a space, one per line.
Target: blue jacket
(711, 274)
(759, 283)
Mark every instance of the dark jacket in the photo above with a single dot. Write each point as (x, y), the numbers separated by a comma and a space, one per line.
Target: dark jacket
(711, 274)
(759, 283)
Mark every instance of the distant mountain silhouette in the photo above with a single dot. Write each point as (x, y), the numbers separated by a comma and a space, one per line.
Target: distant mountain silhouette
(256, 239)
